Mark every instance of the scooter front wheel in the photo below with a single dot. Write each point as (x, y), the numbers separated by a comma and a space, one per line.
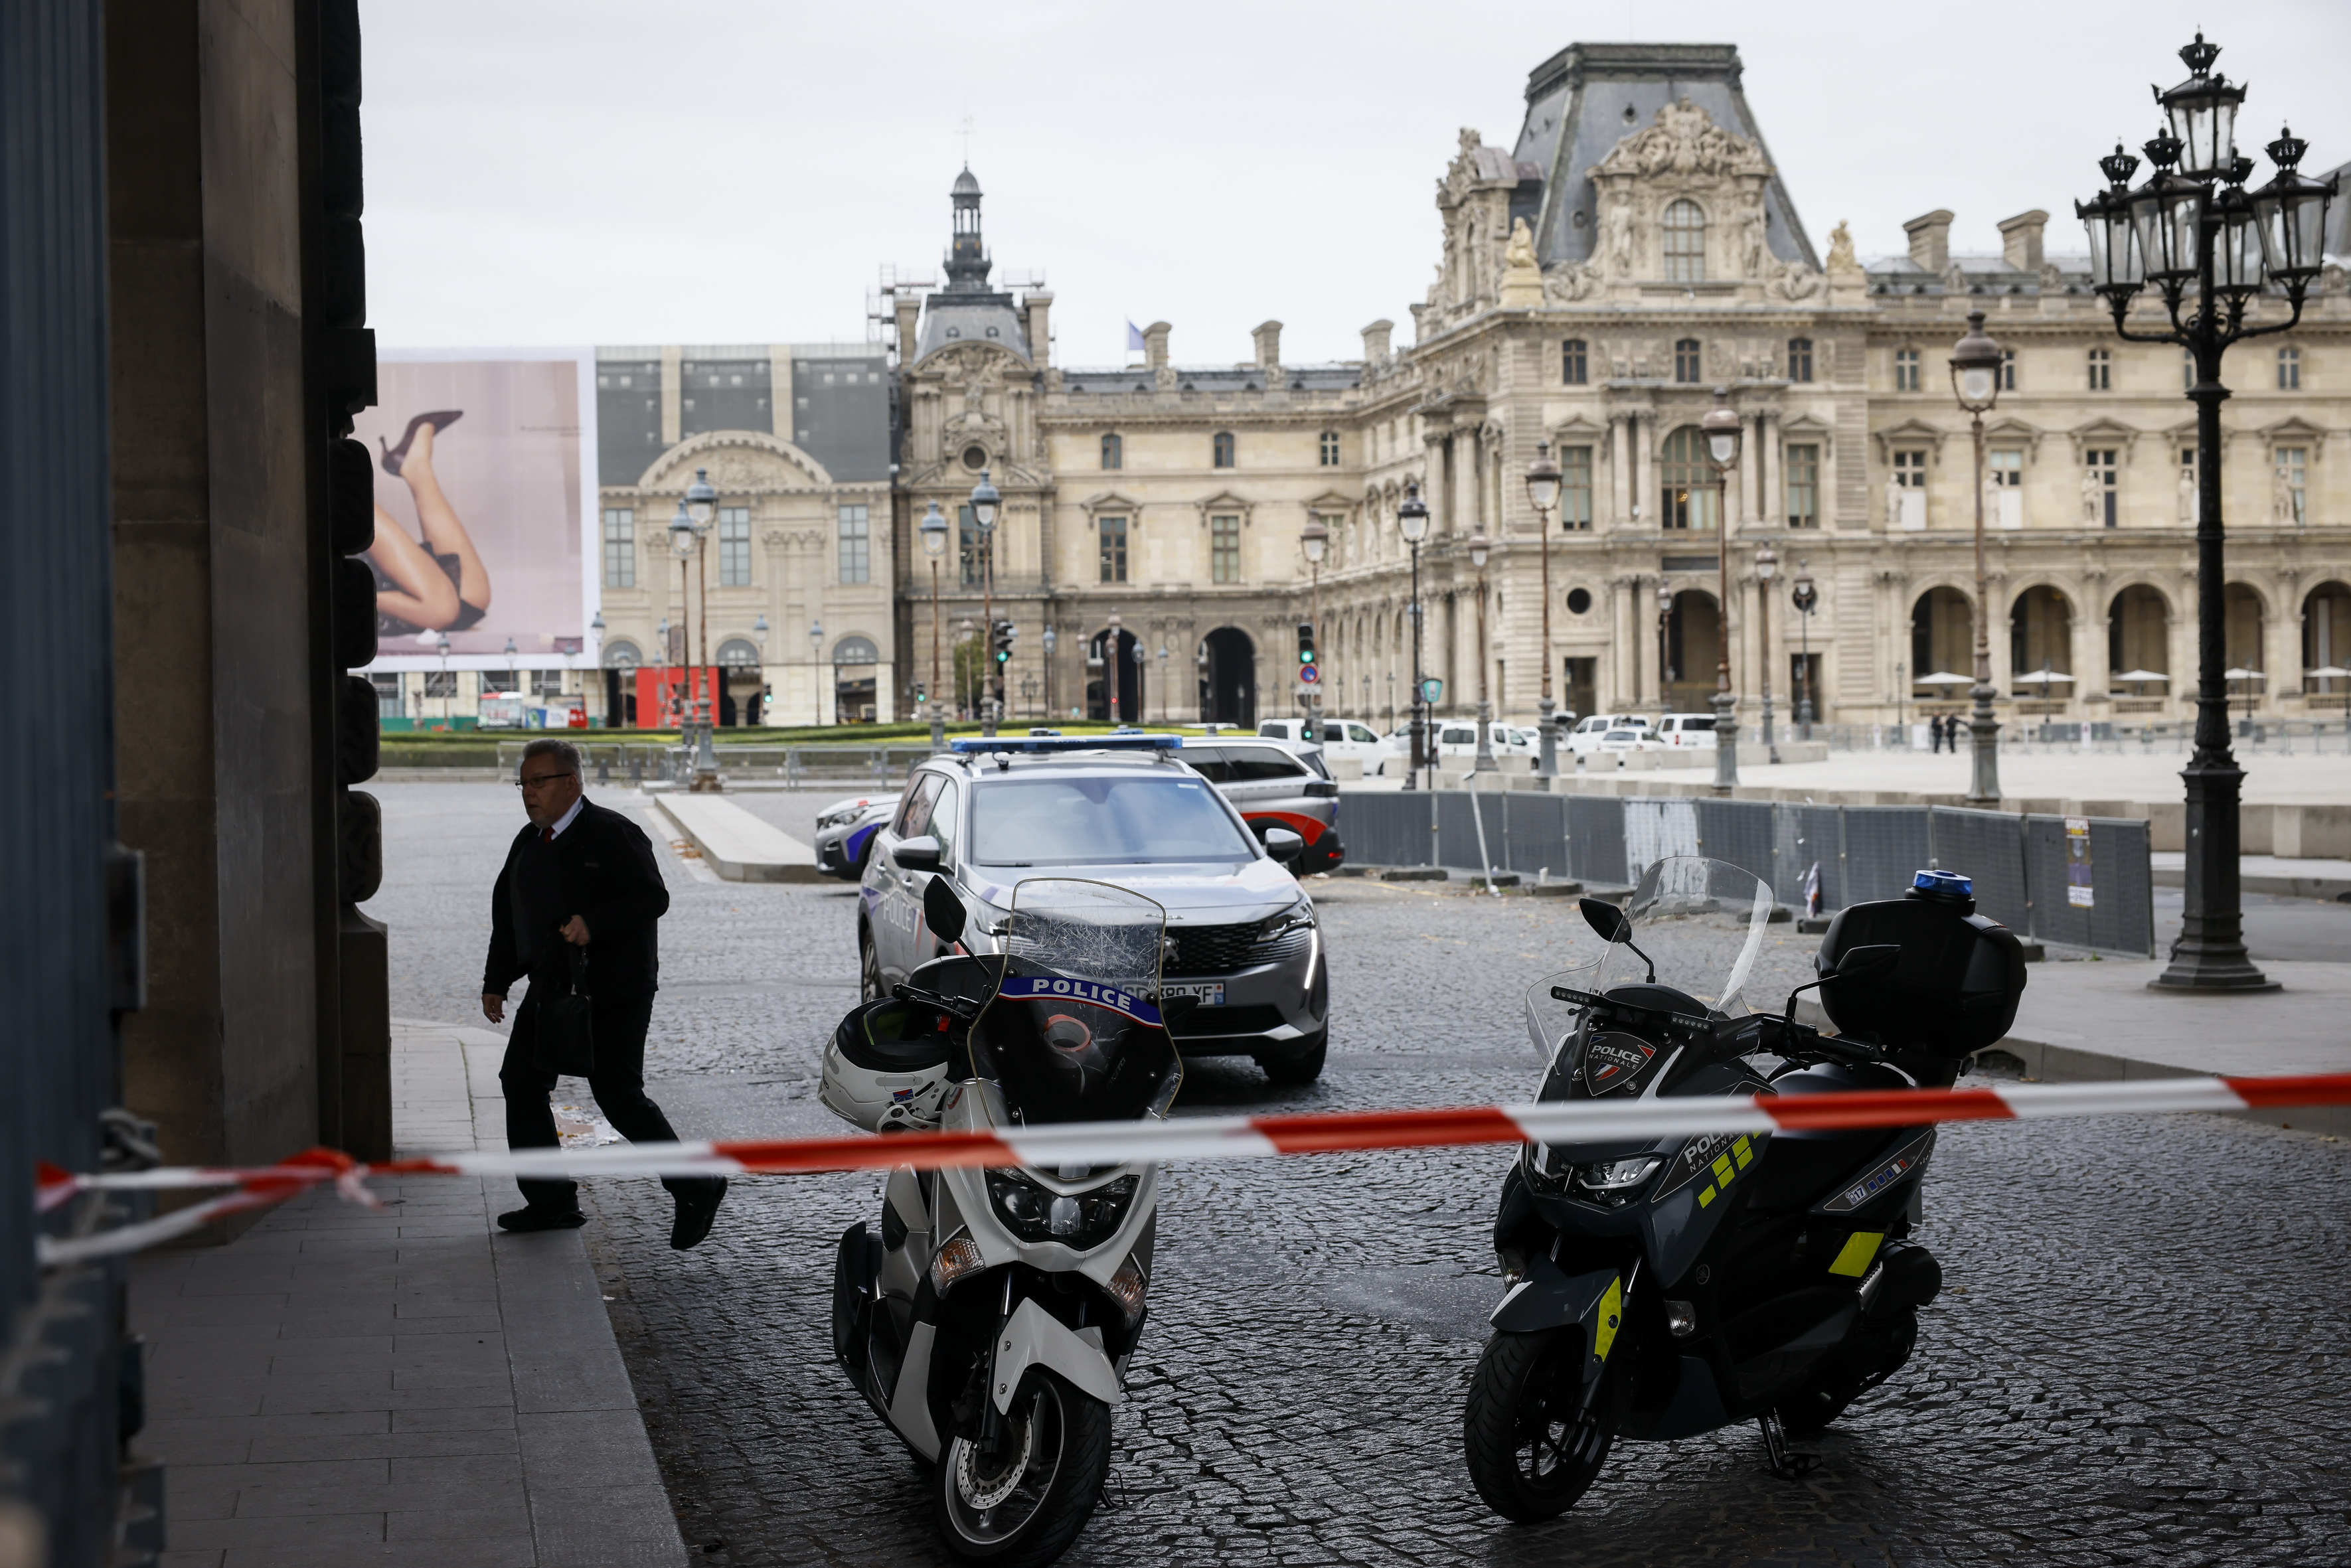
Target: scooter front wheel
(1535, 1444)
(1024, 1502)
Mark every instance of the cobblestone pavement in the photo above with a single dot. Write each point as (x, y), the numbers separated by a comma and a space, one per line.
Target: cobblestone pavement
(2139, 1357)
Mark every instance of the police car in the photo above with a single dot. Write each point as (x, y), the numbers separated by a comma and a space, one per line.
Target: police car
(1243, 943)
(844, 833)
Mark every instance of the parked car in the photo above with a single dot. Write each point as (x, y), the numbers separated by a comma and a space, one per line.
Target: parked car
(1243, 963)
(1339, 738)
(1277, 784)
(1611, 742)
(1587, 735)
(1455, 738)
(1693, 731)
(844, 833)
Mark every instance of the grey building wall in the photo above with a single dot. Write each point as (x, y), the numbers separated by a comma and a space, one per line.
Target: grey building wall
(840, 409)
(723, 389)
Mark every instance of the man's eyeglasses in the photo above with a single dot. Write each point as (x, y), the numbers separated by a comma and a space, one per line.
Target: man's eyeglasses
(539, 778)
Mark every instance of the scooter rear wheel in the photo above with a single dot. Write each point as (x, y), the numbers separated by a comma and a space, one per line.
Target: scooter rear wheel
(1533, 1447)
(1023, 1505)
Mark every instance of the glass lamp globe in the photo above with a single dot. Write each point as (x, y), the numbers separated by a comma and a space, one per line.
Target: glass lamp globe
(701, 499)
(682, 536)
(935, 532)
(1412, 514)
(985, 500)
(1542, 478)
(1478, 549)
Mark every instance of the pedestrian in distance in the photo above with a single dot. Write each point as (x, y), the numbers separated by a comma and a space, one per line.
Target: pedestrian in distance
(576, 909)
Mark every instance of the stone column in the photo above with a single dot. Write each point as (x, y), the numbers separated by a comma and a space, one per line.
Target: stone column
(1620, 471)
(1624, 643)
(1771, 496)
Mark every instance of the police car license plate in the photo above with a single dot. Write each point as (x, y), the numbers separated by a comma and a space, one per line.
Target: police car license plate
(1211, 992)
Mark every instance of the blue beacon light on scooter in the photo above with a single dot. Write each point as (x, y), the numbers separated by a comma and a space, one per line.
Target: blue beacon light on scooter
(1942, 884)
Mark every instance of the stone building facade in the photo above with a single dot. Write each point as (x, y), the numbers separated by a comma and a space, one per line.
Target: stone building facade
(796, 569)
(1632, 251)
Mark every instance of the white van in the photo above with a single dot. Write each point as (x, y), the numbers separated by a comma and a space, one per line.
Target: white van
(1686, 731)
(1340, 737)
(1586, 736)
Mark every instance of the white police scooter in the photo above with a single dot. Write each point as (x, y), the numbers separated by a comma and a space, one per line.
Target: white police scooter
(991, 1318)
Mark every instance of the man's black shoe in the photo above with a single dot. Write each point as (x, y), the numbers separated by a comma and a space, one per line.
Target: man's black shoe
(528, 1219)
(697, 1206)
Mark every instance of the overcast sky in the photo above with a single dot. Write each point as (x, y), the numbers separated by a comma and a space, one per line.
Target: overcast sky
(577, 172)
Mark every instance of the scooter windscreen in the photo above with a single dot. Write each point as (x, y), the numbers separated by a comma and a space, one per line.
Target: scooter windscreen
(1695, 928)
(1074, 1032)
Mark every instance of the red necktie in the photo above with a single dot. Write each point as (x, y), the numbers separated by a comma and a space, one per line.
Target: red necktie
(547, 835)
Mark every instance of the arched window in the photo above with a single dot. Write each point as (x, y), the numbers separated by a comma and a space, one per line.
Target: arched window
(735, 654)
(1113, 451)
(619, 653)
(1685, 360)
(1574, 363)
(1685, 243)
(856, 650)
(1330, 449)
(1688, 479)
(1223, 446)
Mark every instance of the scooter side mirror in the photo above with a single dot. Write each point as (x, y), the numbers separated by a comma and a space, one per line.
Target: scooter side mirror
(917, 854)
(941, 908)
(1607, 919)
(1870, 963)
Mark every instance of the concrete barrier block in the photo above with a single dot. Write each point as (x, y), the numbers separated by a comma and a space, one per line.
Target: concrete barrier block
(1345, 769)
(2167, 825)
(2257, 829)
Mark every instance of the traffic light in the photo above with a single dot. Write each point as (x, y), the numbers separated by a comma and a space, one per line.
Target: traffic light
(1305, 643)
(1002, 642)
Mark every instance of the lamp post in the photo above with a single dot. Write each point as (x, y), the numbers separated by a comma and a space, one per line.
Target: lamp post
(1029, 695)
(1163, 683)
(701, 507)
(966, 677)
(1766, 563)
(685, 543)
(1479, 550)
(815, 668)
(1135, 651)
(1542, 489)
(2208, 244)
(934, 530)
(441, 646)
(759, 636)
(1110, 664)
(1049, 642)
(1720, 428)
(1664, 631)
(1975, 381)
(1805, 598)
(1411, 521)
(984, 504)
(1314, 538)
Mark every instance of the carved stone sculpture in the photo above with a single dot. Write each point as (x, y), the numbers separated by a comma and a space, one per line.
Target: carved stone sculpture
(2282, 497)
(1521, 250)
(1892, 501)
(1565, 285)
(1793, 281)
(2187, 494)
(2094, 501)
(1841, 256)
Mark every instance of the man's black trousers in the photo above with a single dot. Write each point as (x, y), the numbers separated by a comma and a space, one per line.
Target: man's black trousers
(618, 1028)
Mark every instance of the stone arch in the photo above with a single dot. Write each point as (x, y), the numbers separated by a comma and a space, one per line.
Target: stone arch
(2138, 636)
(2327, 636)
(740, 462)
(1693, 650)
(2245, 613)
(1942, 634)
(2041, 638)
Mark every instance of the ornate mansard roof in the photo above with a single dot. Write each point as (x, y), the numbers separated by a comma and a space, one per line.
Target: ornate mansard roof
(1589, 98)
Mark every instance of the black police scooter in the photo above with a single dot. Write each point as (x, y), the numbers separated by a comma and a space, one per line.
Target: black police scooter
(1663, 1288)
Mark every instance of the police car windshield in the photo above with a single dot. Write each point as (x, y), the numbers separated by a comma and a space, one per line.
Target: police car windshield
(1103, 820)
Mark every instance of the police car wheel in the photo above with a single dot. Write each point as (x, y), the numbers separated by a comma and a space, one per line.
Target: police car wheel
(869, 969)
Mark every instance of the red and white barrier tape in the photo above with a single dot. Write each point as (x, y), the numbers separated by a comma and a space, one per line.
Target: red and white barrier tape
(1205, 1138)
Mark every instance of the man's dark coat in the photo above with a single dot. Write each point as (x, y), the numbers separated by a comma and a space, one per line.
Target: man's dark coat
(611, 880)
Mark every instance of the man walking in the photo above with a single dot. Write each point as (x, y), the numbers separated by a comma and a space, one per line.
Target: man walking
(580, 876)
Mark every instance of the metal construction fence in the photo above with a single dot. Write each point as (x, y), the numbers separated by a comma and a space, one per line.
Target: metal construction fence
(638, 762)
(2092, 891)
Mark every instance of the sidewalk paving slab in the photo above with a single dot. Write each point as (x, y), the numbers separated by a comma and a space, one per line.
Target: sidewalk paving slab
(2092, 1020)
(409, 1387)
(735, 844)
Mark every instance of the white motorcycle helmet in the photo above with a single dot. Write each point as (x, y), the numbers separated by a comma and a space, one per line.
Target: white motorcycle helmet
(885, 1069)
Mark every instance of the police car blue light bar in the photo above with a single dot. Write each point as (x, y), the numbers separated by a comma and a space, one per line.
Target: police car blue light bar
(982, 746)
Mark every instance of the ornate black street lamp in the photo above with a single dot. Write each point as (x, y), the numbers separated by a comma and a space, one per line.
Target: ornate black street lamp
(1975, 379)
(1411, 521)
(2209, 247)
(1767, 562)
(1720, 428)
(1478, 550)
(1806, 599)
(985, 503)
(1542, 489)
(935, 545)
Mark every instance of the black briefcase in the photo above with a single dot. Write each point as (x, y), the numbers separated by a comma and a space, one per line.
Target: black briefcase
(567, 1042)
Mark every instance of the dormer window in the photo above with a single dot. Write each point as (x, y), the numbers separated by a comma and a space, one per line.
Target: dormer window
(1685, 246)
